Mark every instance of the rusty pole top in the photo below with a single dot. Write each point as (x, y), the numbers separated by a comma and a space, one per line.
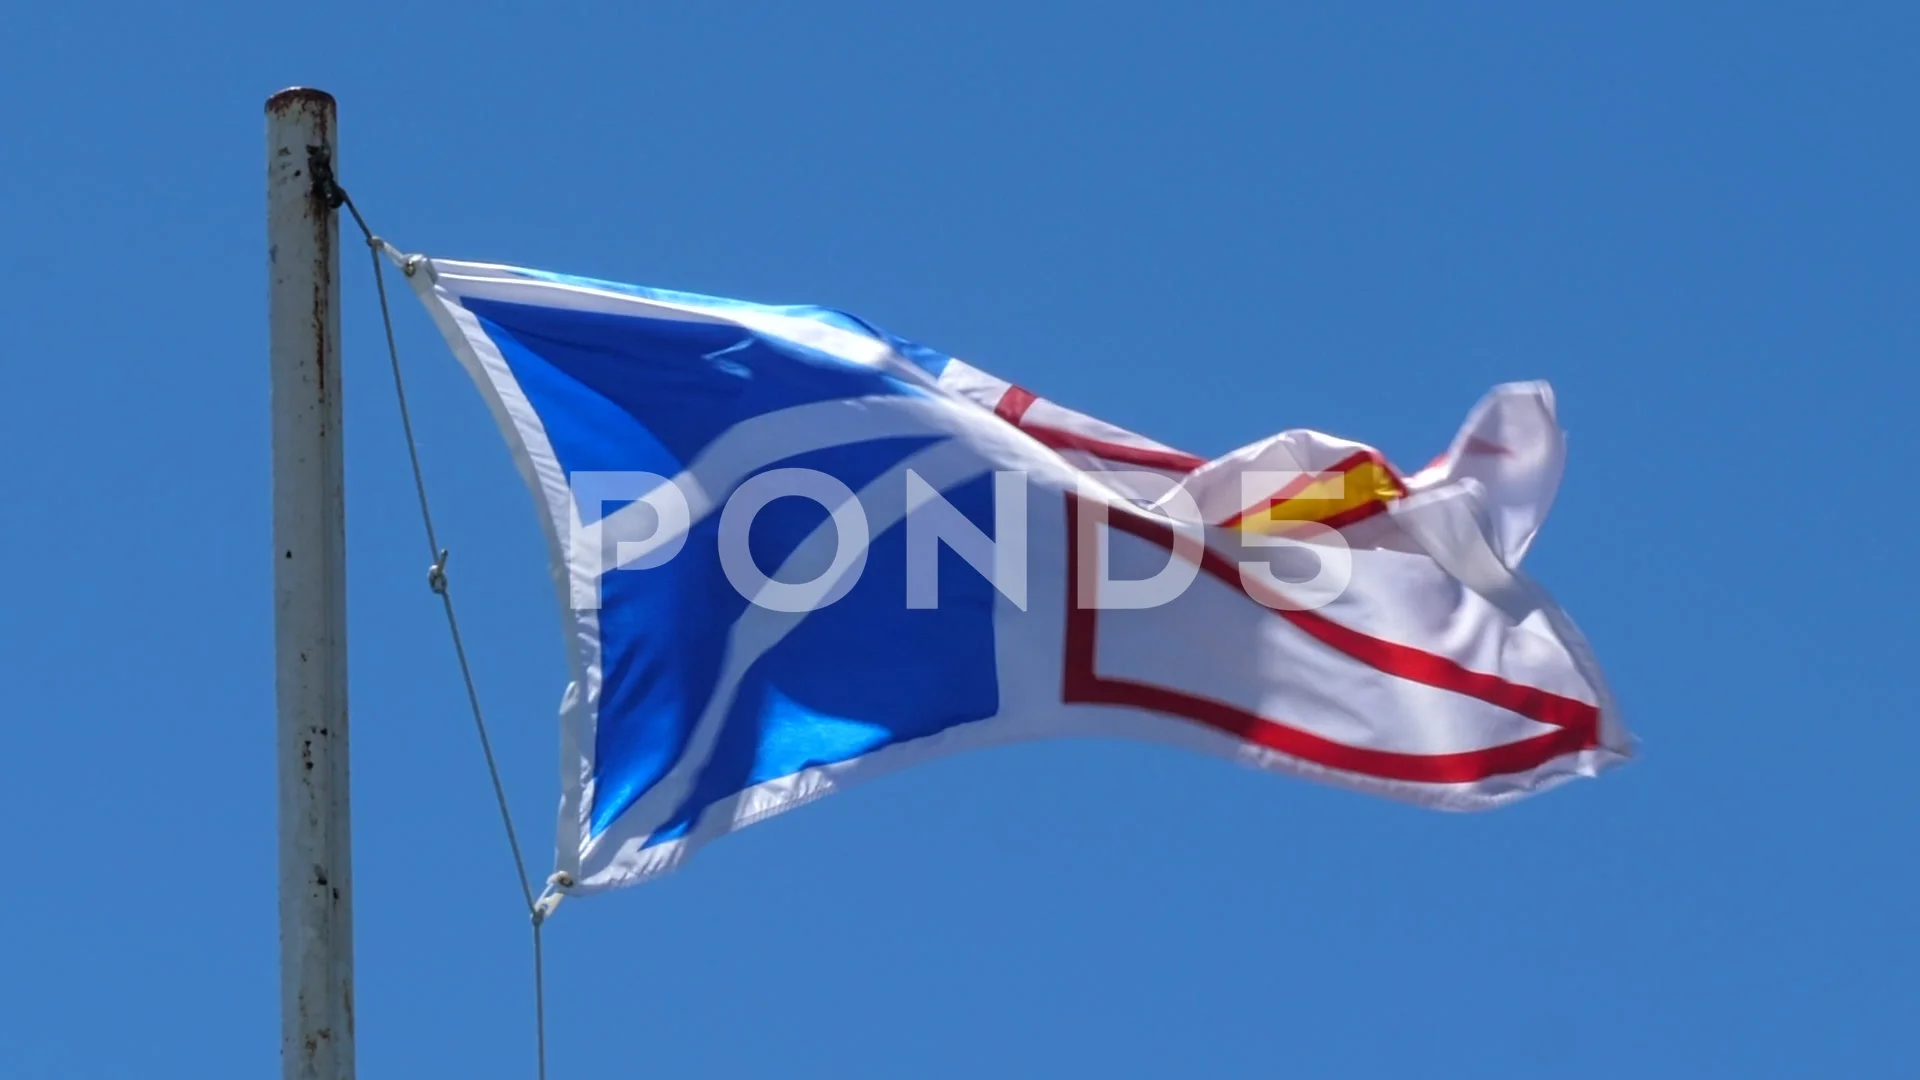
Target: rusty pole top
(299, 95)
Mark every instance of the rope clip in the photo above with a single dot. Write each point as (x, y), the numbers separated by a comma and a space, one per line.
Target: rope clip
(556, 891)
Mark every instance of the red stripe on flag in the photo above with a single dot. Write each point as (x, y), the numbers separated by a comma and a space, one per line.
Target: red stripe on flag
(1121, 453)
(1014, 404)
(1577, 721)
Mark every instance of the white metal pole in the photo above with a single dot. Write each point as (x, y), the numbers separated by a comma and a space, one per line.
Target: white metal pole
(309, 592)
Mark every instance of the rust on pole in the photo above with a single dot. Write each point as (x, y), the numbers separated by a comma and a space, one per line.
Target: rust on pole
(310, 599)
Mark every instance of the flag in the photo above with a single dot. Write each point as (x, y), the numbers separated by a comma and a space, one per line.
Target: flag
(794, 551)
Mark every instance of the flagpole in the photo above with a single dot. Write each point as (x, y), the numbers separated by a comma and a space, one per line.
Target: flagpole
(309, 592)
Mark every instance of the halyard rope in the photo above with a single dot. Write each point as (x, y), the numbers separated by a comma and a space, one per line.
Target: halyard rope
(337, 197)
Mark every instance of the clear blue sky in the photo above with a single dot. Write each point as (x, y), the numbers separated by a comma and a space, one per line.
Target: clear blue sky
(1697, 220)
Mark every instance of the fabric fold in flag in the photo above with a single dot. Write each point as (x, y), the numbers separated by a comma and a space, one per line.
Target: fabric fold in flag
(794, 551)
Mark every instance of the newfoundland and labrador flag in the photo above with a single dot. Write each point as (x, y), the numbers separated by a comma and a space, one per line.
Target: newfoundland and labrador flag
(794, 551)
